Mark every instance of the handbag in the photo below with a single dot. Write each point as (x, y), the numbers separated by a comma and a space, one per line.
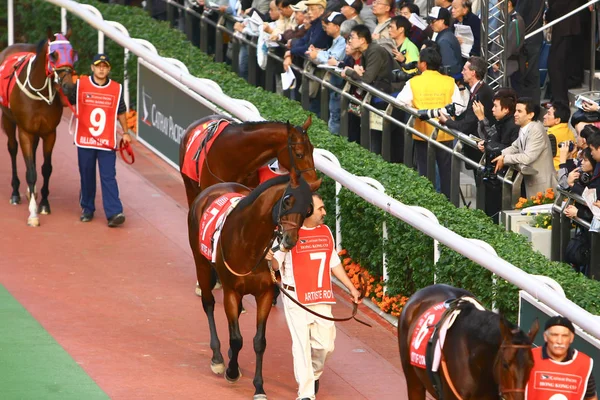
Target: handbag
(577, 252)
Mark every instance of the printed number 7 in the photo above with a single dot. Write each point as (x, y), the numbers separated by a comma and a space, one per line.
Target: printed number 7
(321, 256)
(214, 212)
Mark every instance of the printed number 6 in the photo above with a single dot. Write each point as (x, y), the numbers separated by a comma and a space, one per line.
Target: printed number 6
(98, 121)
(423, 332)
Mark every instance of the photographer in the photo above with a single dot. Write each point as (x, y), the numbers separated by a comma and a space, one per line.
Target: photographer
(496, 137)
(432, 94)
(556, 120)
(577, 251)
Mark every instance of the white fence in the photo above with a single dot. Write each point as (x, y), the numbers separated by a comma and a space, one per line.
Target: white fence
(406, 213)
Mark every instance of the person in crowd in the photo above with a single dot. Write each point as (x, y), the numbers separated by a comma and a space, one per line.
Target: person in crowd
(556, 120)
(302, 24)
(336, 53)
(570, 160)
(462, 15)
(306, 276)
(557, 359)
(286, 20)
(375, 69)
(315, 35)
(447, 4)
(589, 113)
(531, 152)
(416, 34)
(432, 91)
(405, 51)
(565, 37)
(496, 137)
(527, 81)
(473, 76)
(382, 10)
(439, 18)
(514, 48)
(97, 144)
(351, 10)
(367, 16)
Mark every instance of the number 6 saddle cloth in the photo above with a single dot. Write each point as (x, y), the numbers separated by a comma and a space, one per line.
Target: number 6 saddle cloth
(212, 222)
(199, 145)
(429, 335)
(9, 72)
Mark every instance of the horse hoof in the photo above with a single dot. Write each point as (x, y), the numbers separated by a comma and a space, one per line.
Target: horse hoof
(234, 380)
(33, 222)
(217, 369)
(44, 210)
(198, 291)
(14, 200)
(260, 397)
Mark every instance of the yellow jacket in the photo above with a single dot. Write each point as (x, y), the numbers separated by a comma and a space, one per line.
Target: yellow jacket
(431, 90)
(562, 133)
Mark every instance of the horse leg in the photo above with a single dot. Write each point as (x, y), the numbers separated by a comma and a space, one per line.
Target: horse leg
(232, 301)
(191, 189)
(49, 141)
(263, 308)
(203, 274)
(10, 128)
(27, 145)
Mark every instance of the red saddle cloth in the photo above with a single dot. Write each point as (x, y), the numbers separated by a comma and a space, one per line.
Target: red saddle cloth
(212, 219)
(14, 62)
(192, 160)
(422, 334)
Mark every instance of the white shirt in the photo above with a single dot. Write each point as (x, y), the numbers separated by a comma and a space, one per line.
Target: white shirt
(287, 270)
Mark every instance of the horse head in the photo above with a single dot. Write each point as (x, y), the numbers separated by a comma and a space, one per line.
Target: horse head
(60, 59)
(299, 154)
(514, 360)
(289, 212)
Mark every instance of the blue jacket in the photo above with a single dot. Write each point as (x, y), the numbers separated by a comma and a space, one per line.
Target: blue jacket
(315, 36)
(450, 50)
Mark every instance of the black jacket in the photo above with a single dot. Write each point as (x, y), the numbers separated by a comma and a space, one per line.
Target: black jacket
(467, 121)
(500, 135)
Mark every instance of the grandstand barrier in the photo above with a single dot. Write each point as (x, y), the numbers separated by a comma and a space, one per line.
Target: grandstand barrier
(534, 286)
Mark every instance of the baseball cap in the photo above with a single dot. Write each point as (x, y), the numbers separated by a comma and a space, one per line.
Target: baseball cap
(559, 320)
(101, 58)
(438, 13)
(356, 4)
(300, 6)
(336, 18)
(322, 3)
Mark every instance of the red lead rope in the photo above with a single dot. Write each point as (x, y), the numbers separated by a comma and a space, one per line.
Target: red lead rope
(124, 147)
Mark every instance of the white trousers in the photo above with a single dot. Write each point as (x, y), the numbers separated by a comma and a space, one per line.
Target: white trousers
(312, 342)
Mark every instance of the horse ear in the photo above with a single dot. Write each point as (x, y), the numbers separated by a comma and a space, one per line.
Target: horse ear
(535, 327)
(68, 34)
(307, 123)
(505, 331)
(49, 33)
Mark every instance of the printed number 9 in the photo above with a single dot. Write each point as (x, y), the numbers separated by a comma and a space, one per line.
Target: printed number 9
(98, 121)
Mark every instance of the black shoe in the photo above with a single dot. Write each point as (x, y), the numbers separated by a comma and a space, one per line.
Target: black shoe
(86, 216)
(116, 220)
(316, 386)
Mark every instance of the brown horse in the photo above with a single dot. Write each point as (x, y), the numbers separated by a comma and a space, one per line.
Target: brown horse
(36, 109)
(484, 356)
(247, 234)
(241, 149)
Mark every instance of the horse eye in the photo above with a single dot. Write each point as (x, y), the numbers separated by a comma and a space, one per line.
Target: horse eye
(287, 201)
(300, 155)
(504, 365)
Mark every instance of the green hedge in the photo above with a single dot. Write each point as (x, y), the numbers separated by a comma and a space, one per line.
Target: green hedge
(409, 252)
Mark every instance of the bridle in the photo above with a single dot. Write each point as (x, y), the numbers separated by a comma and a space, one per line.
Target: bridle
(53, 74)
(502, 391)
(277, 234)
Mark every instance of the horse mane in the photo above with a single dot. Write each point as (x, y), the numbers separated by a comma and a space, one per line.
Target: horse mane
(246, 201)
(260, 124)
(40, 46)
(485, 326)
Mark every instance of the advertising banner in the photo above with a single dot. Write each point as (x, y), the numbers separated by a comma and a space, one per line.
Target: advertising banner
(165, 109)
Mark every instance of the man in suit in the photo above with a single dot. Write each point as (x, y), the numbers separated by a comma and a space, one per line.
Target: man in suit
(473, 75)
(531, 150)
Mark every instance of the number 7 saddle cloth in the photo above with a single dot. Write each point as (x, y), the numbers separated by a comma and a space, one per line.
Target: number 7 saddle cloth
(212, 222)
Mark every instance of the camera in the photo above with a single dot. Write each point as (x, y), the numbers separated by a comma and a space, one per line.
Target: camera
(584, 177)
(450, 109)
(491, 152)
(571, 145)
(400, 75)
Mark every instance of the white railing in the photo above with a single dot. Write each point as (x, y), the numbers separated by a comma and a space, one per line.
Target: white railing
(462, 245)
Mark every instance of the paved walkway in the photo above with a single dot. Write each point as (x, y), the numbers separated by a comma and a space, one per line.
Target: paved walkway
(121, 301)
